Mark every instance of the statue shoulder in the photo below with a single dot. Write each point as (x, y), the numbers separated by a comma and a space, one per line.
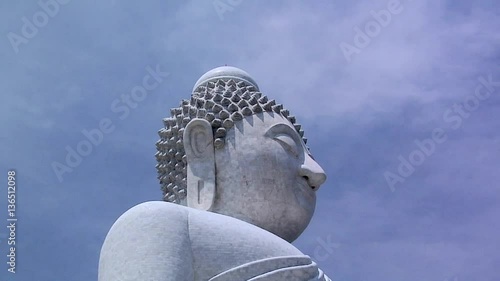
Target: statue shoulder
(145, 242)
(165, 219)
(156, 213)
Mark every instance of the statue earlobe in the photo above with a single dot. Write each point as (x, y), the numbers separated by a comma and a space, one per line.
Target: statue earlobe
(199, 146)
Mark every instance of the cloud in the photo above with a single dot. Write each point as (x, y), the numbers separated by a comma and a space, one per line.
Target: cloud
(358, 115)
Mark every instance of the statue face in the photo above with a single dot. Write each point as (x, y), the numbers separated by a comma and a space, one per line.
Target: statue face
(266, 176)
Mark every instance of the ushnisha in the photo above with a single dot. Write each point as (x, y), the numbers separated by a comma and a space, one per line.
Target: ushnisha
(240, 185)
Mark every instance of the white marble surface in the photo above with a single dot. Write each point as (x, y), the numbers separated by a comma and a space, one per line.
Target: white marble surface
(246, 202)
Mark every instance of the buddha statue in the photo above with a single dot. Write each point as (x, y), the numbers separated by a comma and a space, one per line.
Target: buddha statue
(239, 184)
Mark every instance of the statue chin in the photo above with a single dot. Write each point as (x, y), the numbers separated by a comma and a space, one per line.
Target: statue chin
(284, 221)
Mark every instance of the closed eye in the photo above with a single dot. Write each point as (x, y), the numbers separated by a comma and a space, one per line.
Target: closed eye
(288, 144)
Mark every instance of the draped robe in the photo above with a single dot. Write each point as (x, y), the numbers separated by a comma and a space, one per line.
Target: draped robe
(292, 268)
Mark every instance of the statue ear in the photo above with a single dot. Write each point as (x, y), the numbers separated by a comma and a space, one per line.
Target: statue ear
(199, 146)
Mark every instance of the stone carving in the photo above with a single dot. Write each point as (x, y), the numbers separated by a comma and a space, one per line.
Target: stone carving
(221, 102)
(244, 183)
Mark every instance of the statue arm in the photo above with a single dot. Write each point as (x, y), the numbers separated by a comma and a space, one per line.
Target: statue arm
(148, 242)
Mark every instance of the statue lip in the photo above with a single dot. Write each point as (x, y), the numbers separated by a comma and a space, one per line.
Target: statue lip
(306, 189)
(305, 196)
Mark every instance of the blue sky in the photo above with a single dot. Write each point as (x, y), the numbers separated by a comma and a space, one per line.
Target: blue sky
(363, 112)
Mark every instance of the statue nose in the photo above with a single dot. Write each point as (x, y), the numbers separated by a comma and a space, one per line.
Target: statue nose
(312, 172)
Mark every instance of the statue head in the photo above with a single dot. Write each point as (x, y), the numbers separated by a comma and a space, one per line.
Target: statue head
(232, 151)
